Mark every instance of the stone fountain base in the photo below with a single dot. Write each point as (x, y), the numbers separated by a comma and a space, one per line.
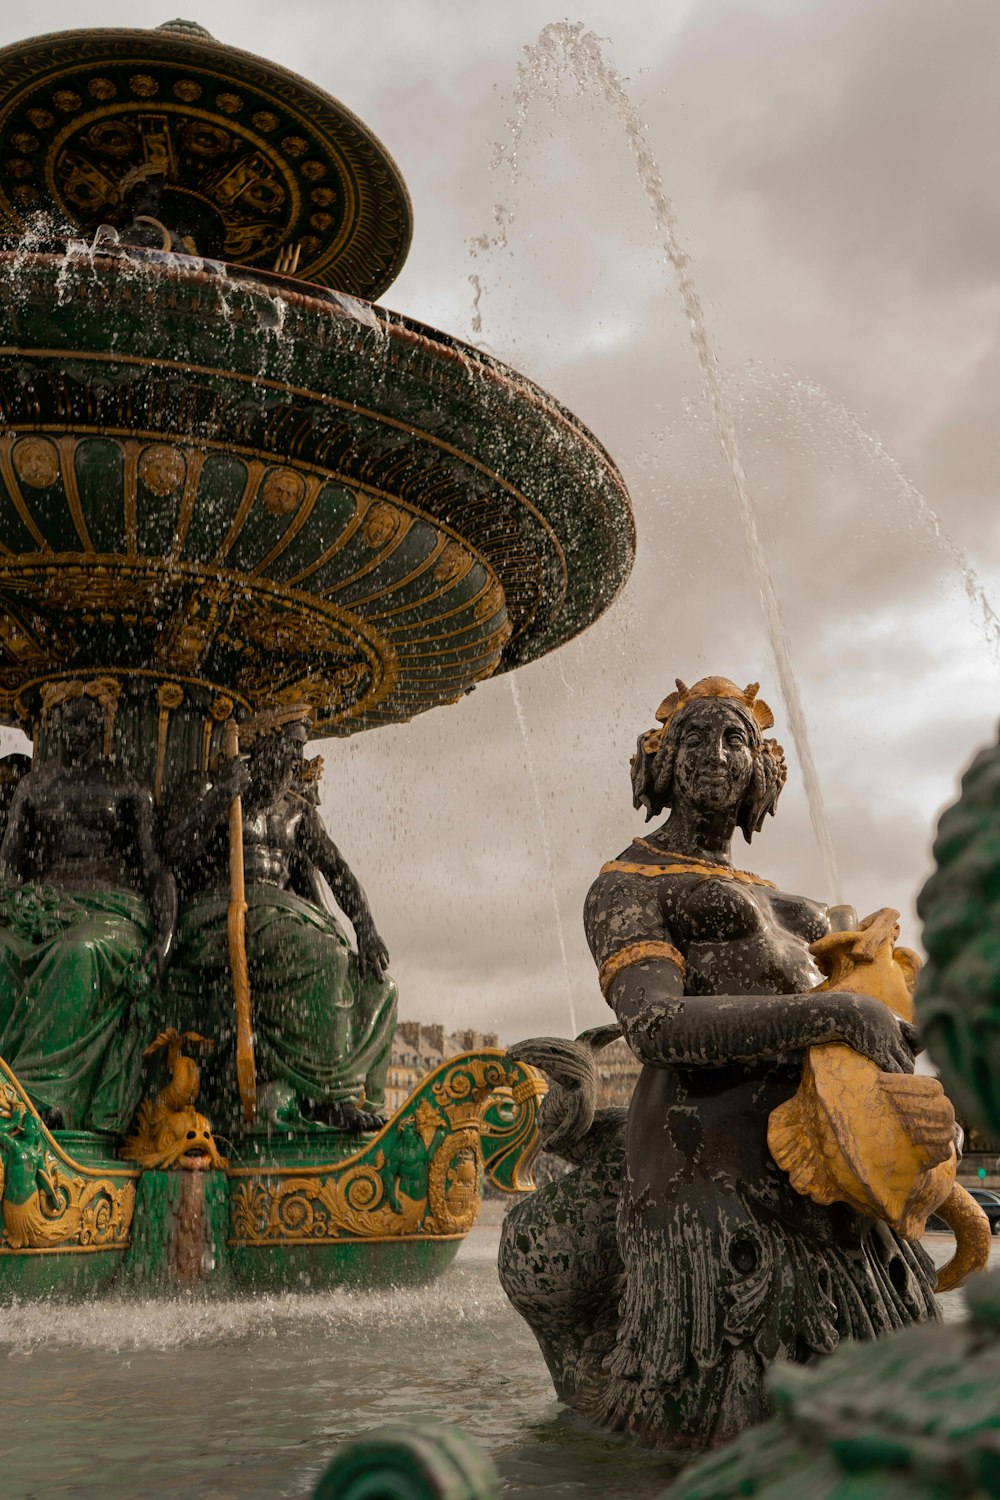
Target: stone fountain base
(293, 1210)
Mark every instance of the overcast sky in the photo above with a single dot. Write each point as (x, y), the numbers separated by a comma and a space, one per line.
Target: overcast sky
(834, 170)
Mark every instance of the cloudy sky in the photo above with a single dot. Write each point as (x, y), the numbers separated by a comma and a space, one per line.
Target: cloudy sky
(833, 165)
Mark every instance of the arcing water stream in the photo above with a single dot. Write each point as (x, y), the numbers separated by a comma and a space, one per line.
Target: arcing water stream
(797, 390)
(568, 49)
(543, 833)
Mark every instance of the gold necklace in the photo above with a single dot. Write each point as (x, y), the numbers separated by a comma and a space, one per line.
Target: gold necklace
(684, 864)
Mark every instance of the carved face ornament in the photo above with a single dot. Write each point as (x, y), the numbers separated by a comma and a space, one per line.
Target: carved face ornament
(715, 757)
(79, 726)
(182, 1139)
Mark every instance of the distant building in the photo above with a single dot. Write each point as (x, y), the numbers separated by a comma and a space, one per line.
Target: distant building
(418, 1049)
(617, 1071)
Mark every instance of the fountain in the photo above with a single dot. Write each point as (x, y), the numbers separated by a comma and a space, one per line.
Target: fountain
(237, 498)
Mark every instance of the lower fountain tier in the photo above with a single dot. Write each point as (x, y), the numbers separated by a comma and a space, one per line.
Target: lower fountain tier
(271, 491)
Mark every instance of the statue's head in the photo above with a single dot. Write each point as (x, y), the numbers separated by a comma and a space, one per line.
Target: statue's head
(79, 716)
(275, 740)
(710, 753)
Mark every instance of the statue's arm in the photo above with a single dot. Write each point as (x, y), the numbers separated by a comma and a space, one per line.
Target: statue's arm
(304, 880)
(158, 883)
(316, 845)
(201, 808)
(643, 982)
(17, 849)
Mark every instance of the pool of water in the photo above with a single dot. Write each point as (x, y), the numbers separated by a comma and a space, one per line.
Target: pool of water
(249, 1400)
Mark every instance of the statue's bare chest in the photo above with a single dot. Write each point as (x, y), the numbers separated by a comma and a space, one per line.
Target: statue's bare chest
(273, 829)
(742, 938)
(69, 810)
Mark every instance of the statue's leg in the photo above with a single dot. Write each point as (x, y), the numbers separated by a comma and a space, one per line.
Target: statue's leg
(318, 1028)
(76, 1033)
(375, 1027)
(12, 953)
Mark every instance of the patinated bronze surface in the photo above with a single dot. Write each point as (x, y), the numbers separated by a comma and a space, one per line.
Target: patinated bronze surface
(722, 1267)
(323, 1016)
(87, 911)
(228, 485)
(915, 1415)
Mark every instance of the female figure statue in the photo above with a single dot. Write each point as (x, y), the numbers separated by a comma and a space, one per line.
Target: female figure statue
(86, 911)
(720, 1266)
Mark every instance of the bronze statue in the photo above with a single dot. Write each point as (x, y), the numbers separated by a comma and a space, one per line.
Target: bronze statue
(323, 1016)
(87, 909)
(717, 1266)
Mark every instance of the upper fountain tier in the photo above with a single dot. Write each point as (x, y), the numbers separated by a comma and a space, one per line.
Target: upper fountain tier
(216, 479)
(243, 160)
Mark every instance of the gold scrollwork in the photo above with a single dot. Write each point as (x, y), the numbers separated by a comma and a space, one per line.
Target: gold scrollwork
(453, 1183)
(295, 1209)
(48, 1202)
(419, 1178)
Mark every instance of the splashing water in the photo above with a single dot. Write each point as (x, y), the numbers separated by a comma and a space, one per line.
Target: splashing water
(567, 49)
(546, 848)
(477, 317)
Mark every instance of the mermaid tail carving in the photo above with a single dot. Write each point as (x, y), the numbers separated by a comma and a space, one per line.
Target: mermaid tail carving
(973, 1238)
(882, 1142)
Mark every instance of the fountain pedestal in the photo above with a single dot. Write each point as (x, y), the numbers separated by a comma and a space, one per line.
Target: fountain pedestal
(228, 489)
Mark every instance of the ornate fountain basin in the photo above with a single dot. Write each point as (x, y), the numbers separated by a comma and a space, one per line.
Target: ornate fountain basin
(244, 485)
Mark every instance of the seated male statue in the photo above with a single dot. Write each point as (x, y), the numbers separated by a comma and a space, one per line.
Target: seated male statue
(87, 909)
(323, 1016)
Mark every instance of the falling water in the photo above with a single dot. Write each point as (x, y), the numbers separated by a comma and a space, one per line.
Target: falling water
(566, 47)
(794, 389)
(546, 848)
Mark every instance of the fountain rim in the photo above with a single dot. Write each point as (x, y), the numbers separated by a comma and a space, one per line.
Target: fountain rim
(321, 302)
(457, 404)
(314, 298)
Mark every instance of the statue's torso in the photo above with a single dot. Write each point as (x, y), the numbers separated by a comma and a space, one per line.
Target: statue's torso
(737, 936)
(741, 939)
(84, 826)
(270, 838)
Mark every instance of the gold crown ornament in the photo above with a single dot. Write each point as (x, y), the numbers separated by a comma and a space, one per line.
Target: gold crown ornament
(706, 687)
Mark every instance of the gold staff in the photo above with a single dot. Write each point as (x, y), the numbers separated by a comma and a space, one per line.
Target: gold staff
(246, 1068)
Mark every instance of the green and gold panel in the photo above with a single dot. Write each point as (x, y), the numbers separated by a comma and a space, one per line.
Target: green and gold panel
(296, 1213)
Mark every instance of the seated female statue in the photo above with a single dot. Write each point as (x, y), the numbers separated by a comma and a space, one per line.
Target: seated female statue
(323, 1015)
(86, 908)
(720, 1266)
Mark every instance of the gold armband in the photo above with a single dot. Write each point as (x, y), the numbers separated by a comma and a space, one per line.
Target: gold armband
(637, 953)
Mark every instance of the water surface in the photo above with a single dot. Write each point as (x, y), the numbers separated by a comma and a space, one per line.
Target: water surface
(248, 1400)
